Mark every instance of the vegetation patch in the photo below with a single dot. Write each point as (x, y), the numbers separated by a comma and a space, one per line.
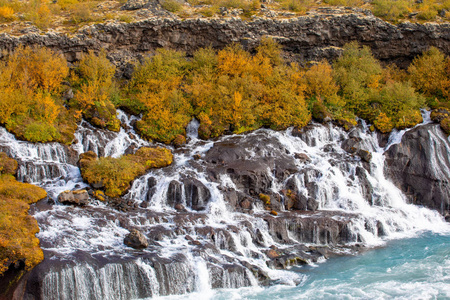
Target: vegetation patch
(228, 91)
(30, 96)
(115, 175)
(17, 228)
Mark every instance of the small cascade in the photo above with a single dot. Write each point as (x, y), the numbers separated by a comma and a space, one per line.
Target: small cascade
(192, 129)
(207, 218)
(108, 143)
(50, 165)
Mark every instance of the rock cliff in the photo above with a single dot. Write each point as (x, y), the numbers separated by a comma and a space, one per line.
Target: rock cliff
(317, 35)
(420, 166)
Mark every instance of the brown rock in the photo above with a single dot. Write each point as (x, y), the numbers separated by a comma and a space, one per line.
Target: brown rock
(302, 157)
(135, 239)
(272, 254)
(80, 197)
(246, 204)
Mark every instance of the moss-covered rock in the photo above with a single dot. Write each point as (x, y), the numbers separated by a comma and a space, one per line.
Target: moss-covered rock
(439, 114)
(320, 113)
(445, 125)
(179, 140)
(115, 175)
(7, 164)
(17, 229)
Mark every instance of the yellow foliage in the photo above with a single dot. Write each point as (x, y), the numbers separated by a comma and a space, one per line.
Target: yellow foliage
(383, 123)
(17, 228)
(319, 81)
(116, 174)
(34, 68)
(429, 73)
(30, 85)
(95, 90)
(233, 61)
(6, 13)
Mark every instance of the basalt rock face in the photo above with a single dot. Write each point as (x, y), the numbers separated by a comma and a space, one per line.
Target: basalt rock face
(420, 166)
(315, 36)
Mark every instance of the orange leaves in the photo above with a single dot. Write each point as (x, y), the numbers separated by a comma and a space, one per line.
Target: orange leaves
(234, 61)
(319, 81)
(35, 68)
(30, 86)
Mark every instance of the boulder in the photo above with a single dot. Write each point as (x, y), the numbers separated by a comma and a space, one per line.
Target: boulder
(135, 239)
(197, 194)
(420, 167)
(174, 193)
(80, 197)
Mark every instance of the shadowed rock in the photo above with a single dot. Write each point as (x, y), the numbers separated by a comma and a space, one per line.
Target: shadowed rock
(420, 167)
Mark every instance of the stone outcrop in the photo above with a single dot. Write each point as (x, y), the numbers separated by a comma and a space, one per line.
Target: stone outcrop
(420, 166)
(135, 239)
(315, 36)
(79, 198)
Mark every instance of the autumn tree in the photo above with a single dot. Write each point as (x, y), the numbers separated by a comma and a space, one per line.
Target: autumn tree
(358, 74)
(156, 85)
(30, 86)
(94, 81)
(430, 74)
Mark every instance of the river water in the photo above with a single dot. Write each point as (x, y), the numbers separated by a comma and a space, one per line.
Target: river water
(410, 268)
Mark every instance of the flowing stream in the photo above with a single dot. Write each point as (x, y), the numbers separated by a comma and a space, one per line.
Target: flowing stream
(215, 242)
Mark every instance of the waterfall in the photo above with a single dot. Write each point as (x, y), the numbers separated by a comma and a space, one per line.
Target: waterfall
(207, 227)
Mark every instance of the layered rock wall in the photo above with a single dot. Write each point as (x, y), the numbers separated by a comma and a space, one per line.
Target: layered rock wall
(311, 37)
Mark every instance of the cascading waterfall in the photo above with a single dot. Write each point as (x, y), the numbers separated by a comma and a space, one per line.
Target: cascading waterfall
(210, 240)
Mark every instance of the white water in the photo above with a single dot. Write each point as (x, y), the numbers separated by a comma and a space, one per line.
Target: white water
(98, 230)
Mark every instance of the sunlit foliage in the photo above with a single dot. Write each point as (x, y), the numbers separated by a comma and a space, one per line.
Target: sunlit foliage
(116, 174)
(17, 228)
(30, 95)
(94, 79)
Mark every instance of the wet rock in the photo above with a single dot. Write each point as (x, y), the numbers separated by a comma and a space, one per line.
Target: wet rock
(364, 184)
(246, 204)
(80, 197)
(174, 193)
(354, 145)
(197, 194)
(420, 167)
(309, 227)
(135, 239)
(180, 207)
(303, 157)
(231, 197)
(272, 254)
(151, 182)
(365, 155)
